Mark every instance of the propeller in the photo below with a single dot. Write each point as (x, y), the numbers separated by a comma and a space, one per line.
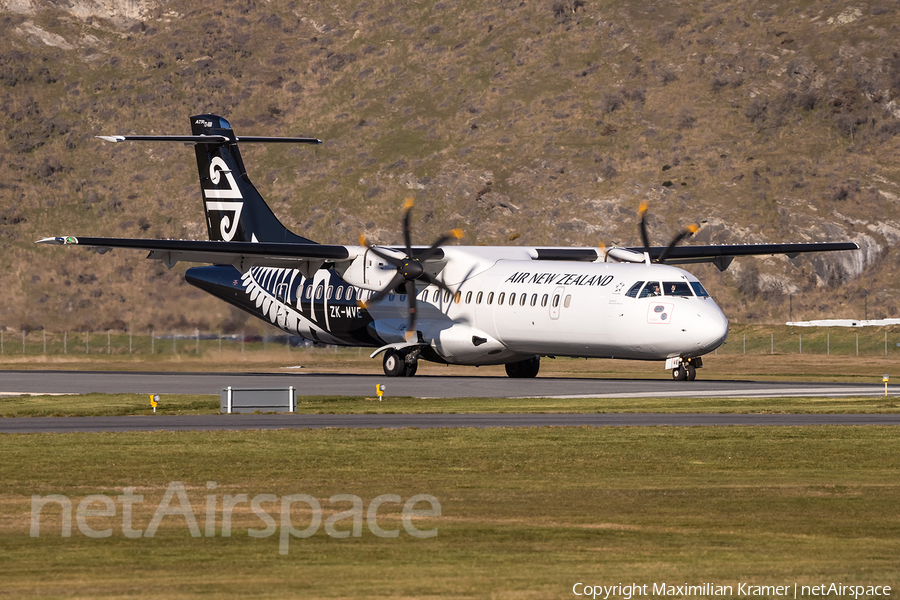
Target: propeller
(680, 237)
(409, 267)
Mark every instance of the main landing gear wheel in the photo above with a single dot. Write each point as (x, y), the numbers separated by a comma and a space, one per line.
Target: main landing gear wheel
(394, 364)
(524, 369)
(400, 364)
(411, 368)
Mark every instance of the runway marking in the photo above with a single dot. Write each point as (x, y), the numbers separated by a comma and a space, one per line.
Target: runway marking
(10, 394)
(771, 393)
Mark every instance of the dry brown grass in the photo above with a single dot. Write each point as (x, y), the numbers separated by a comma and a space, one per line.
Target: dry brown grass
(570, 115)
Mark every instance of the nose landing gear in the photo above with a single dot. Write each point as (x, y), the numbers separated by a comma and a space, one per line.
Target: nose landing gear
(684, 369)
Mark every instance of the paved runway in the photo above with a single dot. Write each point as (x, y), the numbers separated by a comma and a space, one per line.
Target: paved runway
(426, 421)
(80, 382)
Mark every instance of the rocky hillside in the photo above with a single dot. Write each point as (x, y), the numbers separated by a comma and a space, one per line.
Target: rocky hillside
(522, 122)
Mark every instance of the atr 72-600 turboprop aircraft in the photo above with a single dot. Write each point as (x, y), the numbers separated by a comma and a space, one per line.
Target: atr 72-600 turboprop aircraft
(460, 305)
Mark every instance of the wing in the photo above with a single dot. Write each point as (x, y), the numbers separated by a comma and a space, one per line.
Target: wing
(311, 257)
(242, 255)
(721, 256)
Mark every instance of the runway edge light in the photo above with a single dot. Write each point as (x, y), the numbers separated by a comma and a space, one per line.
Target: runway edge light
(379, 389)
(154, 401)
(885, 378)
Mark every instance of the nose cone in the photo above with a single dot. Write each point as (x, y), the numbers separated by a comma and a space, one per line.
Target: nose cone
(710, 327)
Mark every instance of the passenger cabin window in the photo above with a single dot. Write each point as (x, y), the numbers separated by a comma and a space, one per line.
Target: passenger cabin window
(490, 297)
(350, 293)
(633, 292)
(479, 297)
(544, 300)
(533, 299)
(468, 297)
(501, 297)
(651, 290)
(698, 289)
(512, 299)
(568, 301)
(555, 301)
(676, 288)
(523, 299)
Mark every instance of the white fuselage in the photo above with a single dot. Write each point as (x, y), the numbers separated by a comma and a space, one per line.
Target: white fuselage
(508, 306)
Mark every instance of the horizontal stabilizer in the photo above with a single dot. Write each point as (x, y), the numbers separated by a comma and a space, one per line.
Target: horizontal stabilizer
(208, 139)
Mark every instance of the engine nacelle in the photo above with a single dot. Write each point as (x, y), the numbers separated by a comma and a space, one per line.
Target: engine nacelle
(625, 255)
(461, 344)
(367, 271)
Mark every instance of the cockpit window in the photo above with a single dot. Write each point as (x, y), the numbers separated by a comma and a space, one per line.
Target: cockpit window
(632, 293)
(676, 288)
(650, 290)
(698, 289)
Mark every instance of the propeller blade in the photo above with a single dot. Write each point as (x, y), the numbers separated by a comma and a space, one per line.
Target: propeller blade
(605, 252)
(411, 298)
(409, 269)
(453, 233)
(691, 230)
(642, 211)
(433, 281)
(396, 281)
(407, 237)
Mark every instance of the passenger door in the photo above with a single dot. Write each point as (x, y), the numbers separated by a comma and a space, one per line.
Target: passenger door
(556, 302)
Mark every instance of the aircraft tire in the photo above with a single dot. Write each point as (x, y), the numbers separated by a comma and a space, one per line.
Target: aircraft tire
(690, 372)
(524, 369)
(394, 364)
(679, 373)
(411, 369)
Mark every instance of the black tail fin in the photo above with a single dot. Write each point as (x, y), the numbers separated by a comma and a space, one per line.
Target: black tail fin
(235, 211)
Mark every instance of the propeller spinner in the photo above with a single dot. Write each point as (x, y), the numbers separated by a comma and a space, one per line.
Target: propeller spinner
(410, 268)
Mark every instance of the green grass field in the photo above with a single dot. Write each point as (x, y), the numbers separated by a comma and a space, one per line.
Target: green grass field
(525, 513)
(83, 405)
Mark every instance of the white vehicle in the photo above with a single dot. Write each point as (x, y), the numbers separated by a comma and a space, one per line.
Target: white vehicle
(472, 305)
